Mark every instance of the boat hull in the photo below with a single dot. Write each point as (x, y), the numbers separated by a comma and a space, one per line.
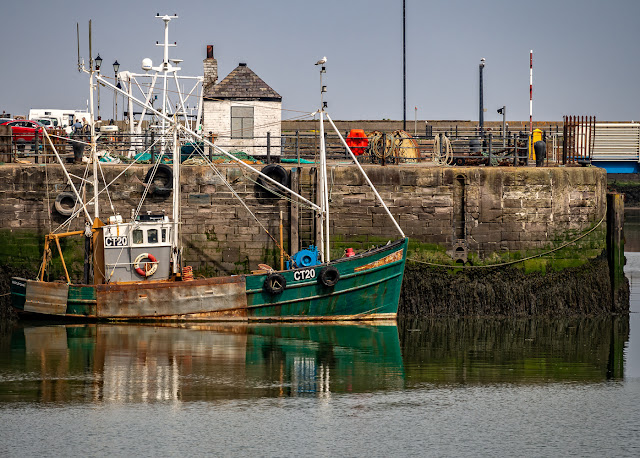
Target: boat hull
(368, 288)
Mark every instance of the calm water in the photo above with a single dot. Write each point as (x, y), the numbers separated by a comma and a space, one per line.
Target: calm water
(424, 387)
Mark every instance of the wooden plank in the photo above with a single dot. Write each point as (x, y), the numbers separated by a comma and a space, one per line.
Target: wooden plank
(47, 298)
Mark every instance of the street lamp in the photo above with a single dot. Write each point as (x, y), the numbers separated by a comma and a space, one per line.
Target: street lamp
(503, 112)
(481, 116)
(98, 61)
(116, 67)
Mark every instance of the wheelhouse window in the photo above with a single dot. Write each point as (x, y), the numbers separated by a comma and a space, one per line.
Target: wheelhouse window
(164, 235)
(152, 236)
(137, 236)
(241, 122)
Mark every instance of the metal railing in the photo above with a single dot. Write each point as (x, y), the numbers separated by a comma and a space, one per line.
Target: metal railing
(445, 147)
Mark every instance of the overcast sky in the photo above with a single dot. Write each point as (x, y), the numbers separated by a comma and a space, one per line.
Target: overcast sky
(586, 59)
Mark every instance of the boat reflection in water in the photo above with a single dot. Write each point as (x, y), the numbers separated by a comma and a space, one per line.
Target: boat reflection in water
(138, 363)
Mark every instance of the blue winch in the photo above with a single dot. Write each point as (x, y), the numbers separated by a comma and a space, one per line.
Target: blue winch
(305, 258)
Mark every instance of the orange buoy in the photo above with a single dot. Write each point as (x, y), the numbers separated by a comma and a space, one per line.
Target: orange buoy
(357, 141)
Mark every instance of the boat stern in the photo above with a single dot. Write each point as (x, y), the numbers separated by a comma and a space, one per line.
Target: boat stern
(18, 292)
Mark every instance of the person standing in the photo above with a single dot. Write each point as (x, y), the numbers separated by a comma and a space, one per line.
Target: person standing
(78, 141)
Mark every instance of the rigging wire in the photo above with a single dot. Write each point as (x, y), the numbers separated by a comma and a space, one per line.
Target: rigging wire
(148, 86)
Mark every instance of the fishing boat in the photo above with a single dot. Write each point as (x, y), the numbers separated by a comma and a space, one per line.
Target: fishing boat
(138, 271)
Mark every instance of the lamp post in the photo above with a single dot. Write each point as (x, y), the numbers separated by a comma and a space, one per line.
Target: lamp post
(404, 65)
(481, 115)
(98, 61)
(116, 67)
(503, 112)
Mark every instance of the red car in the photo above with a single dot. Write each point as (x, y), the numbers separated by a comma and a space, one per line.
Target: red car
(24, 131)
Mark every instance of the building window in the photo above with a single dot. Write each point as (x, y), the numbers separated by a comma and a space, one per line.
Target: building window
(241, 122)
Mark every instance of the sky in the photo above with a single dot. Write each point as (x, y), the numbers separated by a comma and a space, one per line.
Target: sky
(585, 62)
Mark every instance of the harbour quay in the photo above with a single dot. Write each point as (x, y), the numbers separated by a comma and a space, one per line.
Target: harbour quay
(483, 240)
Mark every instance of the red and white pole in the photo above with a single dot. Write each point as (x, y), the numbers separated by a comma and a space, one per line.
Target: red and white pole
(530, 104)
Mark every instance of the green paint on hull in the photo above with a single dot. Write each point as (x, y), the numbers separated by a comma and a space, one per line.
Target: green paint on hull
(357, 294)
(82, 300)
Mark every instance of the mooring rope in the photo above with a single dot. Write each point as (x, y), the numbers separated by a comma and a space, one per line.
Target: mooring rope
(453, 266)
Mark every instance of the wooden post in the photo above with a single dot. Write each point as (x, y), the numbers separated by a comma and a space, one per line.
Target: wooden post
(211, 147)
(293, 209)
(315, 179)
(36, 144)
(5, 143)
(268, 147)
(281, 244)
(490, 148)
(87, 258)
(615, 244)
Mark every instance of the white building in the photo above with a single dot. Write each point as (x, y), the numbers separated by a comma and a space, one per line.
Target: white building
(240, 110)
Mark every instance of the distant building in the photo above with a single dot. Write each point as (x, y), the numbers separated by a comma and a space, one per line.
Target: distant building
(240, 110)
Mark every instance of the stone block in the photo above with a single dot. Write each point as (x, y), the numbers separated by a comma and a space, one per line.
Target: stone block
(199, 199)
(512, 203)
(231, 255)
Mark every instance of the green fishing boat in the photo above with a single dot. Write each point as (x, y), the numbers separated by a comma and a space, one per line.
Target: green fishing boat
(137, 266)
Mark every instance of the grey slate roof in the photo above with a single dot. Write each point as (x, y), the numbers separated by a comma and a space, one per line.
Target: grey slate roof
(242, 84)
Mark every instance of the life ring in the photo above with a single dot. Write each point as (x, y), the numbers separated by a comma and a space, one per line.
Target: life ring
(147, 271)
(275, 172)
(65, 203)
(275, 283)
(162, 180)
(329, 276)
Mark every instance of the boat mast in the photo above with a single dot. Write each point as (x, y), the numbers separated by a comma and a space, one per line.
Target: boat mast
(94, 150)
(322, 180)
(175, 252)
(166, 67)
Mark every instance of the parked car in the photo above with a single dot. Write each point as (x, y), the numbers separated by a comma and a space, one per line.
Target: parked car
(24, 131)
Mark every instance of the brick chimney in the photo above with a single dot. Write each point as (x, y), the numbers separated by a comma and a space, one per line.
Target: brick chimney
(210, 68)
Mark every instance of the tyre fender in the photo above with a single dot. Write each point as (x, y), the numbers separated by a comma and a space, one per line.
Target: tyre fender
(275, 172)
(65, 203)
(162, 180)
(329, 276)
(275, 283)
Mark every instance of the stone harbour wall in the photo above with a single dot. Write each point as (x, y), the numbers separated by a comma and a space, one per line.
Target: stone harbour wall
(472, 215)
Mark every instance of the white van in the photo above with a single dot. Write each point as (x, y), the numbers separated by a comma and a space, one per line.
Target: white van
(57, 118)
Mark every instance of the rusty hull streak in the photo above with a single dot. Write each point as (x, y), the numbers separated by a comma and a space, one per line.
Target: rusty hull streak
(393, 257)
(221, 298)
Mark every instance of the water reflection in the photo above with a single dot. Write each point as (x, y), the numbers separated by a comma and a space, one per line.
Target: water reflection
(632, 230)
(492, 350)
(141, 364)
